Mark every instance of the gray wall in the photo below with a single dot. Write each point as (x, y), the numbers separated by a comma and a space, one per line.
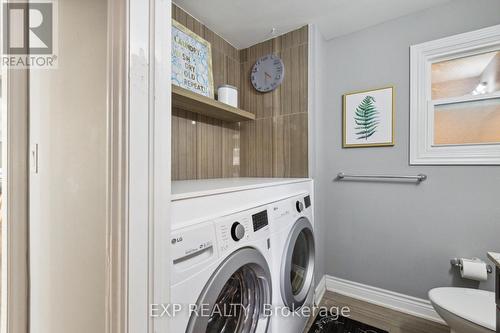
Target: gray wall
(317, 57)
(390, 235)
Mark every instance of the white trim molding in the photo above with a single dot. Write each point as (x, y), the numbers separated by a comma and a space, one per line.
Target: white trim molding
(138, 168)
(15, 203)
(389, 299)
(320, 290)
(161, 125)
(117, 169)
(422, 148)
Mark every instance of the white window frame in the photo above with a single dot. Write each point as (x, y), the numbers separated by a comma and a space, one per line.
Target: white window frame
(422, 148)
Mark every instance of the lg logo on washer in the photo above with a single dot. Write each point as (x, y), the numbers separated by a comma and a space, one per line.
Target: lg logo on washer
(176, 240)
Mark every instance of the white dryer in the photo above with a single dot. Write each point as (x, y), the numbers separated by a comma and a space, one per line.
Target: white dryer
(293, 252)
(221, 274)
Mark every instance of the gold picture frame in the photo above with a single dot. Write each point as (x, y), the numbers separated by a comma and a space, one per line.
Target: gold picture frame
(189, 54)
(358, 133)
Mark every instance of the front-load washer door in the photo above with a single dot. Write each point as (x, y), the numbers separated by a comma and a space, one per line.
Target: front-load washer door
(234, 298)
(297, 270)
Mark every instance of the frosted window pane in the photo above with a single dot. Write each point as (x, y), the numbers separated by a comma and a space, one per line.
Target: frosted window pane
(467, 123)
(474, 75)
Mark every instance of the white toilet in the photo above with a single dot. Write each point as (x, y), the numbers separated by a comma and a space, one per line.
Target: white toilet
(465, 310)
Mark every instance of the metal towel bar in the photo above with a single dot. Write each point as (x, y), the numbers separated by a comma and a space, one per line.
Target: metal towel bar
(419, 178)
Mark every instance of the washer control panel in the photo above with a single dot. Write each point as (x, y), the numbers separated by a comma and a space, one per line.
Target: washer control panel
(260, 220)
(237, 231)
(234, 230)
(307, 201)
(299, 206)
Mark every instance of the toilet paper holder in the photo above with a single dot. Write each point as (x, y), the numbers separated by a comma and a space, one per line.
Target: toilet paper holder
(456, 263)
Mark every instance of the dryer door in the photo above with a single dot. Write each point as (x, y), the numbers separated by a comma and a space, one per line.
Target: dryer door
(297, 270)
(233, 299)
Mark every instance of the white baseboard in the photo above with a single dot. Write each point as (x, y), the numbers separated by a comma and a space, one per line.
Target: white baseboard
(320, 290)
(403, 303)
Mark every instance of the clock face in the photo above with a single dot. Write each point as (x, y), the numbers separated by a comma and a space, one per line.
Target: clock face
(267, 73)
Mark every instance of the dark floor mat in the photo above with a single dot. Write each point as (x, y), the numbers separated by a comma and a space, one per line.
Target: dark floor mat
(332, 324)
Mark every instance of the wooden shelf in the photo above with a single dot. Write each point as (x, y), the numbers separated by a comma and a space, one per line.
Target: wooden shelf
(190, 101)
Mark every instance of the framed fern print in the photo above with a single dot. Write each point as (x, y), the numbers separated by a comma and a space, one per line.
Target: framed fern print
(368, 118)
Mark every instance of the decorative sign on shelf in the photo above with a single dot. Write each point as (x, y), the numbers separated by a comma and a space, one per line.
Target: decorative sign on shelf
(369, 118)
(191, 61)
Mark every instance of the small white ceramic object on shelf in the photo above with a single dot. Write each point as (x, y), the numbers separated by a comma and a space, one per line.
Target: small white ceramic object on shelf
(228, 94)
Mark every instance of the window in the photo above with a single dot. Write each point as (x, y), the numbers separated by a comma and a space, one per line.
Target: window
(455, 99)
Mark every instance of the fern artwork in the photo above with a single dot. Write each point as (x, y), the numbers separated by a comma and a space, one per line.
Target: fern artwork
(368, 118)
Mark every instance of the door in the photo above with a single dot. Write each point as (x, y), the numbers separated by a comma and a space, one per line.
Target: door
(298, 266)
(68, 179)
(235, 294)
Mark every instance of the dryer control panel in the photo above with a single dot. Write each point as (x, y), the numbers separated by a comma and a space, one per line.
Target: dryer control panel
(291, 207)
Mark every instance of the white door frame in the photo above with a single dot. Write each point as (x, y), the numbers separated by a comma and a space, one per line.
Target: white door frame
(138, 177)
(15, 251)
(117, 169)
(161, 137)
(14, 312)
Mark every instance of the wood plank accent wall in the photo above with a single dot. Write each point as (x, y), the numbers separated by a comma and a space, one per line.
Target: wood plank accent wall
(203, 147)
(275, 144)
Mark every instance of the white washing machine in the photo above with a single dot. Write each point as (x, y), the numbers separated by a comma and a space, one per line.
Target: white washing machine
(293, 249)
(222, 252)
(221, 274)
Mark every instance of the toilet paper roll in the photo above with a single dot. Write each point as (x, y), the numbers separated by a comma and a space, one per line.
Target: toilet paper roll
(474, 269)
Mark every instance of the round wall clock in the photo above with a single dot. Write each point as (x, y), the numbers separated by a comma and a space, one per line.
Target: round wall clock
(267, 73)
